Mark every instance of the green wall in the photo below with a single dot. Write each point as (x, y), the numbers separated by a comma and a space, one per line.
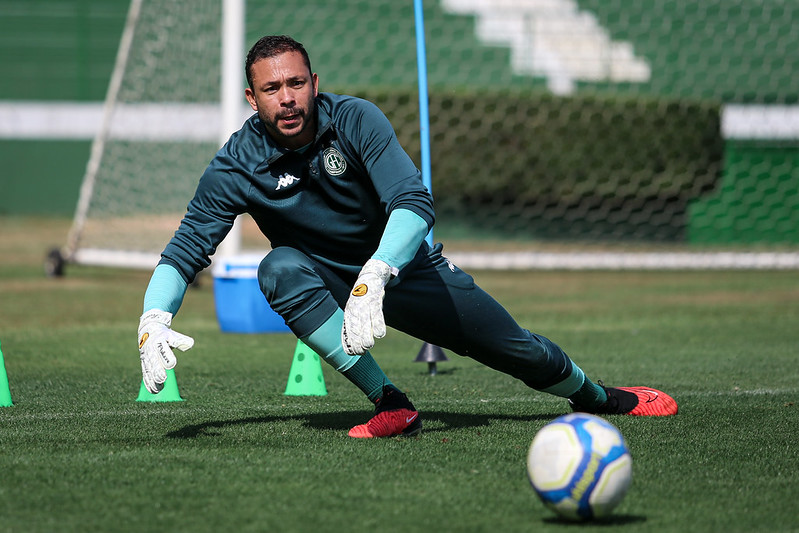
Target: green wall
(757, 200)
(41, 177)
(52, 50)
(58, 49)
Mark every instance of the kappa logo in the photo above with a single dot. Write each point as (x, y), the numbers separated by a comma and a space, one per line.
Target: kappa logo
(286, 180)
(335, 164)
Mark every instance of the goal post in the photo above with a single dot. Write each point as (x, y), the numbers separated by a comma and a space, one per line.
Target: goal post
(98, 145)
(233, 13)
(174, 97)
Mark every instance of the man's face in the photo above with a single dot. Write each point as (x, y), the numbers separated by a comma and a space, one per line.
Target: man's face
(283, 95)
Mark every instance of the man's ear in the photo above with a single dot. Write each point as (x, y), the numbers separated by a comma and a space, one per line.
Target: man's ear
(251, 98)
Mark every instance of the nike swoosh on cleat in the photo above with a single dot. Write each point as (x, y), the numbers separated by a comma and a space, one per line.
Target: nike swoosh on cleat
(411, 419)
(651, 396)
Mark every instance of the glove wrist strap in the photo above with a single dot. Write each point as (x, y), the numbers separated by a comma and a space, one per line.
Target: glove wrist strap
(381, 269)
(155, 316)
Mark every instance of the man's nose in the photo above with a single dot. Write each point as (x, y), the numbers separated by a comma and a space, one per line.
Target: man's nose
(286, 96)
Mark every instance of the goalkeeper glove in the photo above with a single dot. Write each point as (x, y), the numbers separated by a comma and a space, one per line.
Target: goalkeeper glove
(156, 341)
(363, 315)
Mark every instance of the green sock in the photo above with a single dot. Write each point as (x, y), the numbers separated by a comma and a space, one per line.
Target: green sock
(589, 395)
(362, 370)
(579, 389)
(368, 376)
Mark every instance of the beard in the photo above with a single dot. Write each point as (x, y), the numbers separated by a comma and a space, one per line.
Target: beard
(288, 124)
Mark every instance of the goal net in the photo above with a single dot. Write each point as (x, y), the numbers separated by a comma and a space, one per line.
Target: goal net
(564, 133)
(161, 126)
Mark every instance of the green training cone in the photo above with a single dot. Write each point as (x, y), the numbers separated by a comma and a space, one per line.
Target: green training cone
(305, 376)
(169, 393)
(5, 392)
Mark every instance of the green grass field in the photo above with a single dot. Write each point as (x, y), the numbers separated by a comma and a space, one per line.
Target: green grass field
(78, 453)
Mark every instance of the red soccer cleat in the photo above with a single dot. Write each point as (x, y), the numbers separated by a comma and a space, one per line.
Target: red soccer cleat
(394, 415)
(635, 401)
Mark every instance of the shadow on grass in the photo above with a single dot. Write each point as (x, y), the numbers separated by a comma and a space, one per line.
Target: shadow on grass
(443, 421)
(612, 520)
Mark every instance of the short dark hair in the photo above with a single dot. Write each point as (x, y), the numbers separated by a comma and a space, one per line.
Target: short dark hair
(270, 46)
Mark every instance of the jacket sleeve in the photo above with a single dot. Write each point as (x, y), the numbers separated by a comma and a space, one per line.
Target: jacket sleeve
(401, 239)
(395, 177)
(165, 290)
(219, 198)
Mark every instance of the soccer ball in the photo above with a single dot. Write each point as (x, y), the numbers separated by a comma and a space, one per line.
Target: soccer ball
(579, 466)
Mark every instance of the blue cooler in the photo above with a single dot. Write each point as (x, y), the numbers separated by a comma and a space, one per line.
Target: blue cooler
(240, 305)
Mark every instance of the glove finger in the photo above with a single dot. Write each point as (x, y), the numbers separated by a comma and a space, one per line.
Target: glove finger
(378, 329)
(152, 378)
(357, 345)
(152, 386)
(367, 343)
(363, 333)
(152, 366)
(350, 329)
(180, 341)
(162, 354)
(346, 341)
(351, 341)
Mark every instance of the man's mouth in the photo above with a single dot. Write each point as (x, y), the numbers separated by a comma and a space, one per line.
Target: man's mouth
(291, 120)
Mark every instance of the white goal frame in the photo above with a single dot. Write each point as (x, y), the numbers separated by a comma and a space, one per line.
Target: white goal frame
(227, 116)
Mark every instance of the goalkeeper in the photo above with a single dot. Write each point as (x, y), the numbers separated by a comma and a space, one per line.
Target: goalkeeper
(346, 213)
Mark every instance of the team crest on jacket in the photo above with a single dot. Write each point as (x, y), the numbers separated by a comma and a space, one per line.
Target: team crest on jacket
(335, 164)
